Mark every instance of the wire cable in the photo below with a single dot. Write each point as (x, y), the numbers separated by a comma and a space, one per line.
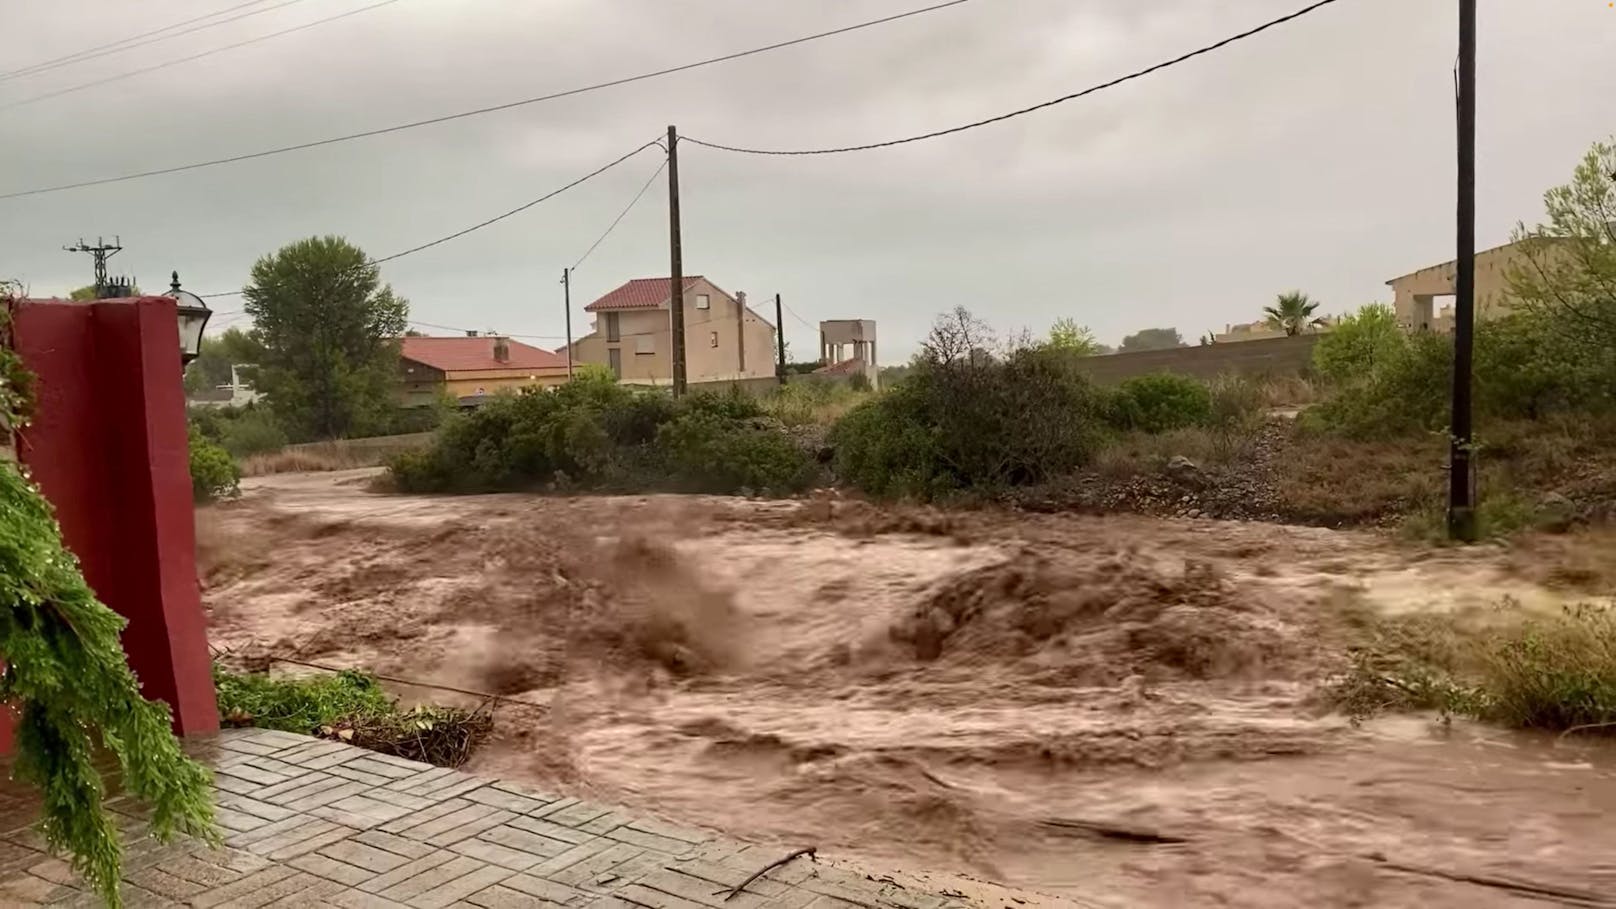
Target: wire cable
(621, 215)
(208, 53)
(1025, 110)
(793, 314)
(654, 143)
(88, 52)
(284, 149)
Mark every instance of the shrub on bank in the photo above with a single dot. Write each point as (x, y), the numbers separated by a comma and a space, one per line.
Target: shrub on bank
(214, 473)
(1160, 402)
(594, 433)
(971, 422)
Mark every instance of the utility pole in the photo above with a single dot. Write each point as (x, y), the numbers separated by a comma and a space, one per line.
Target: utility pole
(676, 282)
(780, 338)
(566, 298)
(101, 252)
(1461, 472)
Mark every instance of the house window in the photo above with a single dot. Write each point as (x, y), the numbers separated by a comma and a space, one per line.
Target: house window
(712, 339)
(614, 360)
(645, 344)
(611, 327)
(703, 301)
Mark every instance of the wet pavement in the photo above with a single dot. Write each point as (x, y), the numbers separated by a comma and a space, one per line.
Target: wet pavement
(316, 823)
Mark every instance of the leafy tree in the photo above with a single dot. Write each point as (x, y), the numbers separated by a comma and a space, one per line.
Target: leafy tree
(328, 328)
(1293, 313)
(87, 293)
(211, 368)
(1569, 268)
(68, 679)
(1151, 339)
(1066, 335)
(1360, 343)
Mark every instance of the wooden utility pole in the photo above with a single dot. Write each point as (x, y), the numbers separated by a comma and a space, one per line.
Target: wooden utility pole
(1461, 472)
(676, 282)
(780, 338)
(566, 302)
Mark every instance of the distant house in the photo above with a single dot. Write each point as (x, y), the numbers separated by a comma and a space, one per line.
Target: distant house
(237, 393)
(725, 339)
(1415, 293)
(471, 368)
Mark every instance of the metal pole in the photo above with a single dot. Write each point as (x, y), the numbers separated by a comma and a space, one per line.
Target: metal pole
(1461, 472)
(566, 297)
(780, 338)
(676, 282)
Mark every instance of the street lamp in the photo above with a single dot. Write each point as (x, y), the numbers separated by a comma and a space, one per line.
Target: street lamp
(193, 317)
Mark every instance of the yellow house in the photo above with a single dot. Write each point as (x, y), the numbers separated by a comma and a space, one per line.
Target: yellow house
(471, 367)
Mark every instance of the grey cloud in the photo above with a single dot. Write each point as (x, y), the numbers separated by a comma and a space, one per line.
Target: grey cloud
(1316, 156)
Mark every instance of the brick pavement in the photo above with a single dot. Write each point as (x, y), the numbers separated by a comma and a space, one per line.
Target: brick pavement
(323, 824)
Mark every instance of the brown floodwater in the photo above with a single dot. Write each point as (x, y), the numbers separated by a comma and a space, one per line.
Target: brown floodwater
(1032, 710)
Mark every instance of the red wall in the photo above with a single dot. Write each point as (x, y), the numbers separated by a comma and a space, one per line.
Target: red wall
(108, 447)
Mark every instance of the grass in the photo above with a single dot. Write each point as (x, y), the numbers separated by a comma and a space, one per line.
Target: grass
(1141, 452)
(343, 454)
(351, 707)
(812, 403)
(1550, 672)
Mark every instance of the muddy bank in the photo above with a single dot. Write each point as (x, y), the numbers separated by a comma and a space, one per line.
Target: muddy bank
(957, 694)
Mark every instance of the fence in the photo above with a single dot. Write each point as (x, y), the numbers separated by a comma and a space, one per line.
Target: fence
(1268, 357)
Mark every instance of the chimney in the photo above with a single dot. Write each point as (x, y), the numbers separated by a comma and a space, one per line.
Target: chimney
(502, 350)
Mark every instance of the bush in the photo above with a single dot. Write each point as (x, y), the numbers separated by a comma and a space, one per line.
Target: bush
(970, 422)
(1407, 392)
(1157, 403)
(253, 432)
(1359, 344)
(594, 433)
(213, 472)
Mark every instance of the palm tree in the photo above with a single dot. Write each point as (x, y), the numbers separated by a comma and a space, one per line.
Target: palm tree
(1292, 312)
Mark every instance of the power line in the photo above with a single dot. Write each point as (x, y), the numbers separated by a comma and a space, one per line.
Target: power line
(621, 215)
(479, 111)
(494, 220)
(208, 53)
(793, 314)
(76, 56)
(1026, 110)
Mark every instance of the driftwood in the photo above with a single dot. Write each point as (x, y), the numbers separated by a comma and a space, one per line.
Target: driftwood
(1112, 831)
(769, 867)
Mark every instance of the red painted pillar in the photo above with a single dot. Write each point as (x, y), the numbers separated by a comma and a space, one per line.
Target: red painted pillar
(108, 447)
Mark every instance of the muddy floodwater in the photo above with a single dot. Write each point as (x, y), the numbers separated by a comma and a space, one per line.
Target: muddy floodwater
(1026, 709)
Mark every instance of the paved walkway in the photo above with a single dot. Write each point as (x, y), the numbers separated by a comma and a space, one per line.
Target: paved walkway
(316, 823)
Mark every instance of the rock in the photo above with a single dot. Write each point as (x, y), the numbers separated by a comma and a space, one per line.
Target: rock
(1555, 513)
(1183, 470)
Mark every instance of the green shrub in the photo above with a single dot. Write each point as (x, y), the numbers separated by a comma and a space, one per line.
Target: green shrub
(970, 422)
(1236, 402)
(1359, 344)
(253, 432)
(708, 453)
(1407, 392)
(594, 433)
(213, 472)
(1157, 403)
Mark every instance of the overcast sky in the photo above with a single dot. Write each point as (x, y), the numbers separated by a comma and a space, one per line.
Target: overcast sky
(1315, 156)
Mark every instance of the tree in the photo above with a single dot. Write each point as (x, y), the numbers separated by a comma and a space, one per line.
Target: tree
(1568, 272)
(1292, 313)
(1151, 339)
(1068, 336)
(212, 366)
(328, 329)
(87, 292)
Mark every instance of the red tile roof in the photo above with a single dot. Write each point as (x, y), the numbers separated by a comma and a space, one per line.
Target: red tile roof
(640, 293)
(461, 354)
(844, 368)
